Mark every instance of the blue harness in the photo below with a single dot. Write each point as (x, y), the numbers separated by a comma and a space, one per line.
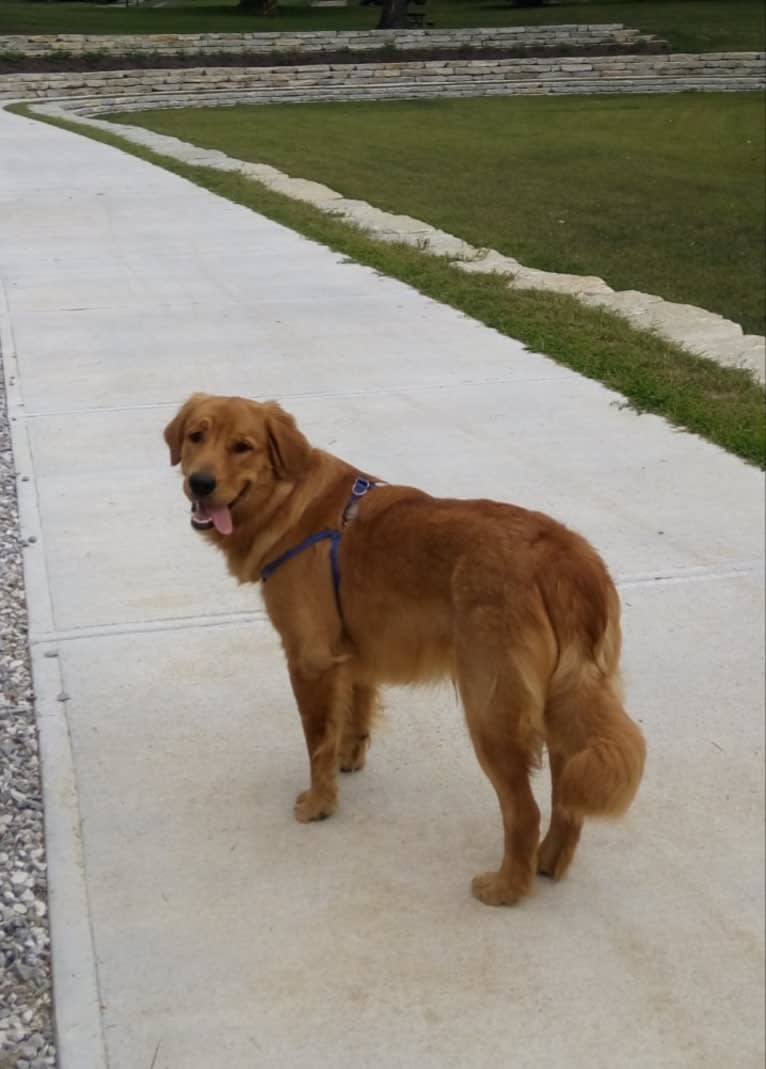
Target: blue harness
(333, 536)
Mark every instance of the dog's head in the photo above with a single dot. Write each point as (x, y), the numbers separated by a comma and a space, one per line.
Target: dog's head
(232, 454)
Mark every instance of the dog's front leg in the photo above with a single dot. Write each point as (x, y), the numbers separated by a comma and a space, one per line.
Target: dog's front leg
(323, 697)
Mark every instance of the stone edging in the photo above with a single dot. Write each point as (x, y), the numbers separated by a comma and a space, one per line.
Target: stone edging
(167, 44)
(698, 331)
(400, 79)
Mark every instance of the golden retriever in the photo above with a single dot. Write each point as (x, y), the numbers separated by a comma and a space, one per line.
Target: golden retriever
(369, 583)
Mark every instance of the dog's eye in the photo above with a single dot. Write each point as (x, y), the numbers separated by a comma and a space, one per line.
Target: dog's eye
(241, 447)
(195, 436)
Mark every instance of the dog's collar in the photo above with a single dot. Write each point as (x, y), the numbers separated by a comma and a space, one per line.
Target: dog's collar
(333, 535)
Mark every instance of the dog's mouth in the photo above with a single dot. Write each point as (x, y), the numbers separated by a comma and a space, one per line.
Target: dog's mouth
(206, 517)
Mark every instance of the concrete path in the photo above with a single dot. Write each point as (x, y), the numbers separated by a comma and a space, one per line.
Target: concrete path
(195, 925)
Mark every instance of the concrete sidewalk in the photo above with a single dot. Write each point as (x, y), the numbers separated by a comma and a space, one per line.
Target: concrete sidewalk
(197, 926)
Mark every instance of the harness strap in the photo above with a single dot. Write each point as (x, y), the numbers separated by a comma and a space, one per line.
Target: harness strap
(320, 536)
(358, 490)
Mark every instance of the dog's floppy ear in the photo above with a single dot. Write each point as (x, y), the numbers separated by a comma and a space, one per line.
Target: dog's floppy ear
(288, 448)
(175, 430)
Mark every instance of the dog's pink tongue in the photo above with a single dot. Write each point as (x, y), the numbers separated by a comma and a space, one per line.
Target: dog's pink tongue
(221, 517)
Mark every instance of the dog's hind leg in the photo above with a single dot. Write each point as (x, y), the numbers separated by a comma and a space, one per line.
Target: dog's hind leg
(558, 847)
(504, 718)
(356, 737)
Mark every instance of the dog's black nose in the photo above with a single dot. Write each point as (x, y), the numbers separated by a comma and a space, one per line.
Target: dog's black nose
(202, 483)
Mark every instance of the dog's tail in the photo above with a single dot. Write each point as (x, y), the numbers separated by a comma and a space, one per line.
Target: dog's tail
(604, 749)
(602, 778)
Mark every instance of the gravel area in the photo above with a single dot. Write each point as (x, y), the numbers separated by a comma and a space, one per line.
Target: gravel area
(26, 1027)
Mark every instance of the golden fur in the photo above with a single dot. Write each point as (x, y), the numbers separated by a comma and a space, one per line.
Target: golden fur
(518, 610)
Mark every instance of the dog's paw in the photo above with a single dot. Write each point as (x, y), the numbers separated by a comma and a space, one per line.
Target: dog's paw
(493, 889)
(353, 753)
(551, 861)
(313, 805)
(555, 855)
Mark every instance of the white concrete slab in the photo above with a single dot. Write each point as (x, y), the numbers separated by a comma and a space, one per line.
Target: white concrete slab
(111, 488)
(223, 934)
(211, 905)
(159, 348)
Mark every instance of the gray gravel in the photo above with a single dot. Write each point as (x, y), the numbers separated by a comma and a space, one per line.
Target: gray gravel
(26, 1030)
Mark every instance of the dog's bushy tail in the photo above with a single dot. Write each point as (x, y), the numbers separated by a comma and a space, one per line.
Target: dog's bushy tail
(586, 721)
(602, 778)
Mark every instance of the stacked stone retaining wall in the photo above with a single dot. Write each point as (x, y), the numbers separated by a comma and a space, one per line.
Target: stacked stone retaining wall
(134, 89)
(575, 37)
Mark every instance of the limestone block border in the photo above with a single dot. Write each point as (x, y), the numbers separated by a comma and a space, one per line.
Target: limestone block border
(399, 79)
(577, 35)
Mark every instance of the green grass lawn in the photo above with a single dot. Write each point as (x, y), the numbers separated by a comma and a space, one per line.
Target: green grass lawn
(723, 404)
(663, 194)
(694, 25)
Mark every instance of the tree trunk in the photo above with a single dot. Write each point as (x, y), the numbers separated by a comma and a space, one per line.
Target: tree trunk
(393, 15)
(259, 7)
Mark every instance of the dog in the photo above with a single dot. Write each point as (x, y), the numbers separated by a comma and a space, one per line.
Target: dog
(369, 583)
